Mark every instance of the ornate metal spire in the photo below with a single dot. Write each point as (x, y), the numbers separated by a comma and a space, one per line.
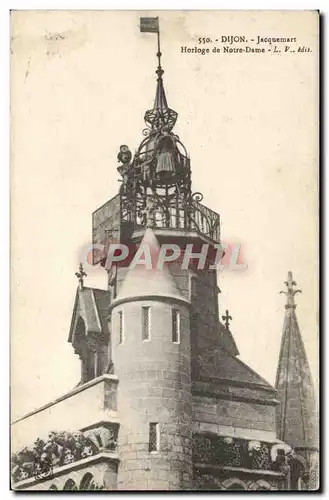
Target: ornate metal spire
(291, 292)
(80, 275)
(160, 101)
(227, 318)
(161, 115)
(156, 189)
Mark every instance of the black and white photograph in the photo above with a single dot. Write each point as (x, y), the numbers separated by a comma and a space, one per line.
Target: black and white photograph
(164, 250)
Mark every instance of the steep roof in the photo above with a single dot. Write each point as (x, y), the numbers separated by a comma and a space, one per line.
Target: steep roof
(227, 340)
(219, 364)
(296, 414)
(91, 304)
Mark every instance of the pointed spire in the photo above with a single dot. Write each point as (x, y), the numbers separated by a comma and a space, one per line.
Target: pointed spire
(161, 115)
(296, 413)
(160, 101)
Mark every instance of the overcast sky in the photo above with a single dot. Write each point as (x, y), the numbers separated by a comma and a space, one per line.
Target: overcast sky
(249, 123)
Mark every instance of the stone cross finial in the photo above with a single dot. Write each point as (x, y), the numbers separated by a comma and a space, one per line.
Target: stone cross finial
(291, 292)
(227, 318)
(80, 275)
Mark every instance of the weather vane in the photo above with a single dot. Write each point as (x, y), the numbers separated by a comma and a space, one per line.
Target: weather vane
(151, 25)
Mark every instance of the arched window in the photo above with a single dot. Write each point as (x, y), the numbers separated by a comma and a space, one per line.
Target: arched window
(70, 485)
(87, 482)
(121, 327)
(146, 322)
(53, 487)
(235, 487)
(234, 484)
(296, 471)
(80, 329)
(80, 333)
(175, 326)
(260, 485)
(91, 359)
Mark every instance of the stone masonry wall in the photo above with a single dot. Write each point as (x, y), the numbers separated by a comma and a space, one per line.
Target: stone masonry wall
(154, 386)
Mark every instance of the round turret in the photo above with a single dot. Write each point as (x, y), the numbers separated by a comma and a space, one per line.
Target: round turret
(150, 330)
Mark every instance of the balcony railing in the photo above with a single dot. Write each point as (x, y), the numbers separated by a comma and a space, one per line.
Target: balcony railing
(224, 451)
(117, 219)
(41, 459)
(177, 214)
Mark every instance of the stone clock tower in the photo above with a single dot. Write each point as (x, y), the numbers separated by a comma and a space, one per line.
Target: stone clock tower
(163, 402)
(155, 313)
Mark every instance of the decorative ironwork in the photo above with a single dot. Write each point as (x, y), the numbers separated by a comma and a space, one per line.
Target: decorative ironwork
(116, 221)
(313, 478)
(146, 131)
(155, 186)
(232, 452)
(198, 197)
(260, 456)
(59, 449)
(42, 468)
(241, 453)
(175, 212)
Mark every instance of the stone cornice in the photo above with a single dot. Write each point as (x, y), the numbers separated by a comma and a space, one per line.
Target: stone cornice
(237, 383)
(233, 397)
(217, 469)
(177, 233)
(153, 297)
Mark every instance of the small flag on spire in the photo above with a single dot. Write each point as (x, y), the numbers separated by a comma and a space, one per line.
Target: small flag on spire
(149, 24)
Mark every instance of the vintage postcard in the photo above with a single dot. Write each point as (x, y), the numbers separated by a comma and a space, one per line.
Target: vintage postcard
(164, 250)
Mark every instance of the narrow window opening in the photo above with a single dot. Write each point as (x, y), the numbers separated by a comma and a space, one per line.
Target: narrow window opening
(175, 326)
(96, 364)
(154, 437)
(90, 366)
(146, 323)
(121, 327)
(99, 363)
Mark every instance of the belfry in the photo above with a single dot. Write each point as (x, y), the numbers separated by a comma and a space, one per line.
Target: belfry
(164, 402)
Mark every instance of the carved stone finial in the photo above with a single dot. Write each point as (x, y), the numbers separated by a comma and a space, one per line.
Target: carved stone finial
(227, 318)
(291, 292)
(80, 275)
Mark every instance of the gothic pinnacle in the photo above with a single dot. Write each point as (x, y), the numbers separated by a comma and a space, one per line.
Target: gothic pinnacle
(227, 318)
(291, 292)
(80, 275)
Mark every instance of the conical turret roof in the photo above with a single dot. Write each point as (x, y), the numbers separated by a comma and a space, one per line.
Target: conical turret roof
(147, 281)
(296, 413)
